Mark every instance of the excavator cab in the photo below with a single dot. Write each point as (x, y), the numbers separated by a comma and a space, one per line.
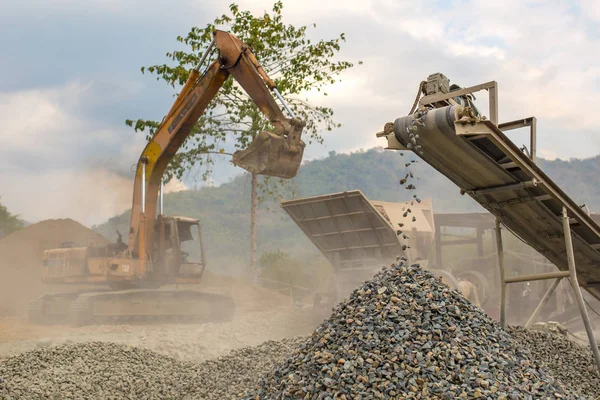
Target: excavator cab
(274, 155)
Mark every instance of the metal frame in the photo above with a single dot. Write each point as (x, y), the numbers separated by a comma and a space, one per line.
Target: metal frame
(530, 122)
(495, 135)
(491, 87)
(532, 180)
(571, 274)
(365, 208)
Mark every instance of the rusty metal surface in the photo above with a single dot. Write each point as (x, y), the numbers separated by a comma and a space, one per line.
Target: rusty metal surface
(346, 228)
(353, 232)
(478, 156)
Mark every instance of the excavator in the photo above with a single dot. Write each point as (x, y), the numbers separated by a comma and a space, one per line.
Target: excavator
(134, 280)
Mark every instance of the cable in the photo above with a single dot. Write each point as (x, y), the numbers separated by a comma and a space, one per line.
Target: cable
(419, 92)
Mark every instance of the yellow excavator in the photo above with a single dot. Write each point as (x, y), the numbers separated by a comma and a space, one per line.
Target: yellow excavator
(128, 279)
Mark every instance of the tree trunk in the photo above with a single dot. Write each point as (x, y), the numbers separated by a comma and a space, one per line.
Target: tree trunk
(253, 212)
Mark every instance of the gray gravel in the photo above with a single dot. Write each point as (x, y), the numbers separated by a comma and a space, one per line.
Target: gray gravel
(405, 334)
(188, 342)
(569, 362)
(100, 370)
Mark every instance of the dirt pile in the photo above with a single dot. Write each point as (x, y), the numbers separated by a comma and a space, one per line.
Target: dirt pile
(21, 256)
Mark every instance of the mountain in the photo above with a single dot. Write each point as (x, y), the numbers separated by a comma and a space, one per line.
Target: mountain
(224, 210)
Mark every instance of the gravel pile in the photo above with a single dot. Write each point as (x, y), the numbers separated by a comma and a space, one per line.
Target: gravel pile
(405, 334)
(100, 370)
(569, 362)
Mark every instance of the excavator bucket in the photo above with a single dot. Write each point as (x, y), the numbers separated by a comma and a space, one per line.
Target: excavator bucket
(273, 155)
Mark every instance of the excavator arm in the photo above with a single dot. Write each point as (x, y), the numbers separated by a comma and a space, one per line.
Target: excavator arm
(274, 154)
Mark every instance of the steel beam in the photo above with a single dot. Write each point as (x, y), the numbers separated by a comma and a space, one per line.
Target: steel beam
(516, 156)
(436, 98)
(575, 284)
(516, 124)
(533, 139)
(542, 302)
(530, 122)
(508, 165)
(493, 99)
(500, 252)
(501, 188)
(538, 277)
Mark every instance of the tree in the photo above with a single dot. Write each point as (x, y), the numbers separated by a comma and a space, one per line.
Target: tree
(296, 63)
(8, 222)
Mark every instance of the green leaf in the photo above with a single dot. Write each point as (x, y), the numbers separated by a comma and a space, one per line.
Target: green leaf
(295, 62)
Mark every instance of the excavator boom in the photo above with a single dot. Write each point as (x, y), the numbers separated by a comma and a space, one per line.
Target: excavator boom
(158, 250)
(275, 154)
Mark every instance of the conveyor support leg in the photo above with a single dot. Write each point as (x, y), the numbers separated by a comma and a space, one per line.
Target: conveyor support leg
(500, 252)
(577, 289)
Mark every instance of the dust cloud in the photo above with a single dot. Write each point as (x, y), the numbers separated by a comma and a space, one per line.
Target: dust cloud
(89, 196)
(21, 259)
(260, 313)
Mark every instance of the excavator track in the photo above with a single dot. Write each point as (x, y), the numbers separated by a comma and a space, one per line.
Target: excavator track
(135, 306)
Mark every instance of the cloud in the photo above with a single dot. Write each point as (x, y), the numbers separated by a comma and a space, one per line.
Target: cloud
(545, 66)
(56, 162)
(175, 185)
(88, 196)
(548, 154)
(67, 87)
(36, 120)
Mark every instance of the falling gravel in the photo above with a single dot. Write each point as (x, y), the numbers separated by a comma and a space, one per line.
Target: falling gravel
(100, 370)
(405, 334)
(569, 362)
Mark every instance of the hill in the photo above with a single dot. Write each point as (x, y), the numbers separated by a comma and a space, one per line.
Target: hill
(224, 210)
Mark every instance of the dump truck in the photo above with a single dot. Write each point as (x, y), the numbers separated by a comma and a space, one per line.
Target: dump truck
(129, 280)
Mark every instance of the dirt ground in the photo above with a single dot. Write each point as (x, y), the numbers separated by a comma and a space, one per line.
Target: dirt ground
(194, 342)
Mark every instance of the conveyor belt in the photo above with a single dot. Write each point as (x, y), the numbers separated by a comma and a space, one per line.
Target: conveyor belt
(484, 163)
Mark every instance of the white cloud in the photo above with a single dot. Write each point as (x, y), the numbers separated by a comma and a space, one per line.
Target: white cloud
(548, 154)
(544, 56)
(88, 196)
(56, 163)
(37, 118)
(175, 185)
(540, 53)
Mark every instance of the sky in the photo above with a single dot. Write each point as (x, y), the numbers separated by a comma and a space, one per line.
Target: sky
(70, 77)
